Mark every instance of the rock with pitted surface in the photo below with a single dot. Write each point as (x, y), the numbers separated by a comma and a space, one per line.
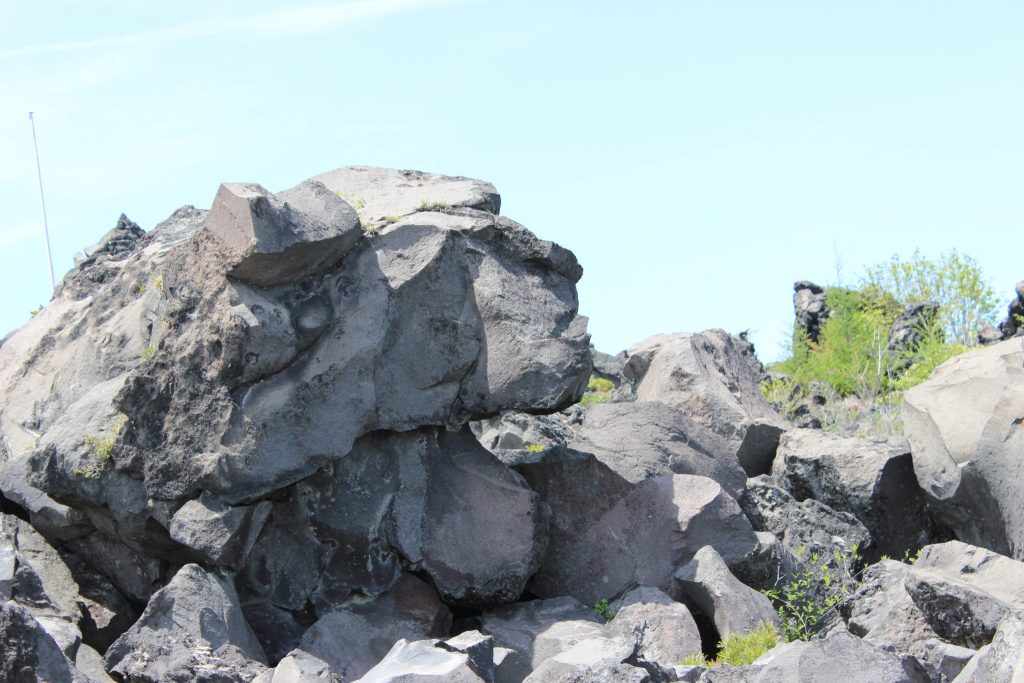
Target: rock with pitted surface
(811, 311)
(964, 429)
(29, 653)
(707, 377)
(663, 629)
(1003, 658)
(873, 481)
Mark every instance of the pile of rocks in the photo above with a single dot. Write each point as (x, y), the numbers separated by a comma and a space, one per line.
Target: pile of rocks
(331, 434)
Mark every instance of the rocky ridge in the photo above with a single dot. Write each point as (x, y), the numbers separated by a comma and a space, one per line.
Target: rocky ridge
(334, 433)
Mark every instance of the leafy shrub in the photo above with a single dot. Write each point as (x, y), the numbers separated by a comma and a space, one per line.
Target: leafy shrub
(954, 281)
(815, 592)
(603, 610)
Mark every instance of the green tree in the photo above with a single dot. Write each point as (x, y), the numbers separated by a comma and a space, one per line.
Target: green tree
(954, 281)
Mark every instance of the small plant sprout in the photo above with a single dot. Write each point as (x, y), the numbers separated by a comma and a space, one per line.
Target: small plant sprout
(388, 220)
(370, 230)
(158, 282)
(35, 311)
(603, 610)
(533, 448)
(149, 352)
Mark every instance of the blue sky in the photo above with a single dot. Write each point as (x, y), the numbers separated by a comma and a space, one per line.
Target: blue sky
(698, 157)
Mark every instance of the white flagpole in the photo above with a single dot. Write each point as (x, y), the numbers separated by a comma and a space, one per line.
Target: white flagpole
(42, 201)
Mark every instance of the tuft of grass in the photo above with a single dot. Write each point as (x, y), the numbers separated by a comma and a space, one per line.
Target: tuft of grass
(35, 311)
(149, 352)
(102, 449)
(370, 230)
(158, 282)
(353, 201)
(388, 220)
(533, 448)
(694, 660)
(91, 471)
(442, 207)
(599, 390)
(739, 649)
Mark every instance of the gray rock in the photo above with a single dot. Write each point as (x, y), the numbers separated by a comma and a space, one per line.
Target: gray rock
(435, 320)
(707, 583)
(597, 660)
(769, 564)
(479, 648)
(542, 628)
(273, 239)
(663, 629)
(430, 499)
(874, 482)
(54, 520)
(811, 310)
(708, 378)
(192, 629)
(946, 659)
(134, 574)
(607, 534)
(1003, 659)
(837, 657)
(106, 613)
(29, 653)
(89, 663)
(520, 431)
(40, 582)
(220, 533)
(357, 635)
(807, 527)
(299, 667)
(963, 429)
(642, 440)
(964, 591)
(1011, 327)
(422, 661)
(377, 193)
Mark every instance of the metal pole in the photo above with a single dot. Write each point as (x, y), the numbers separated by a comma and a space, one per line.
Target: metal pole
(42, 201)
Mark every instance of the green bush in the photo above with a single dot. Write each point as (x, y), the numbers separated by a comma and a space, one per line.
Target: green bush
(599, 390)
(810, 595)
(954, 281)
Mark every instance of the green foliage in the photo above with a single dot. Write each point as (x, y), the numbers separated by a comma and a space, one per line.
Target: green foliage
(370, 230)
(149, 352)
(534, 448)
(816, 591)
(35, 311)
(739, 649)
(599, 390)
(388, 220)
(603, 610)
(954, 281)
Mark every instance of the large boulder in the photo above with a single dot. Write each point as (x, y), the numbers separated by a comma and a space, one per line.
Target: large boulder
(28, 652)
(640, 440)
(1003, 658)
(540, 629)
(963, 425)
(236, 352)
(192, 629)
(356, 635)
(608, 534)
(663, 629)
(429, 499)
(706, 582)
(874, 481)
(708, 377)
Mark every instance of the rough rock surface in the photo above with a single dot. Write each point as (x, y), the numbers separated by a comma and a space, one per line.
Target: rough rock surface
(29, 653)
(601, 524)
(598, 660)
(192, 629)
(806, 527)
(1014, 323)
(874, 482)
(964, 429)
(706, 582)
(1003, 658)
(707, 377)
(423, 661)
(811, 311)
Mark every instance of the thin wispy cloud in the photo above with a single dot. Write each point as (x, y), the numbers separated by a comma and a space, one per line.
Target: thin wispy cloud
(282, 23)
